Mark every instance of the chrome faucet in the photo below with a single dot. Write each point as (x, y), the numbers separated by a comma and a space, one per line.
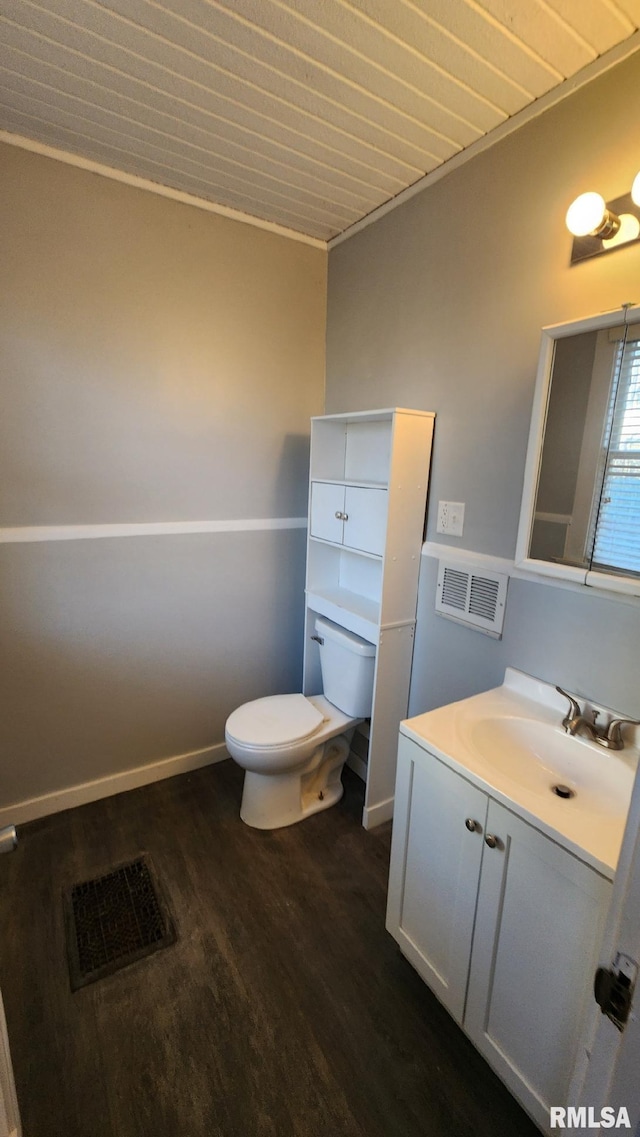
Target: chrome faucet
(609, 735)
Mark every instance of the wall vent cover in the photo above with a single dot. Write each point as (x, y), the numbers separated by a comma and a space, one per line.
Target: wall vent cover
(472, 596)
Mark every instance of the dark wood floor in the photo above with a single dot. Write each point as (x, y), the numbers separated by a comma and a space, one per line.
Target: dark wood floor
(283, 1009)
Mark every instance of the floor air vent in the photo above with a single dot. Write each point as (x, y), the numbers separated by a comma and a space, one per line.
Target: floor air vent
(472, 596)
(114, 920)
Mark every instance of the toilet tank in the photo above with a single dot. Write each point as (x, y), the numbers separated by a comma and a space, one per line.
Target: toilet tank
(347, 664)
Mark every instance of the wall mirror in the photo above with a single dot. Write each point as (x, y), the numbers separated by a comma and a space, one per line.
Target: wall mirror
(580, 516)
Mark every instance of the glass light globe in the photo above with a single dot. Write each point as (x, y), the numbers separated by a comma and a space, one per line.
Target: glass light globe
(635, 190)
(585, 214)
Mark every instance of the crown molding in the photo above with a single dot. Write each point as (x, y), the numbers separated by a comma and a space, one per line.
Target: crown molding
(155, 187)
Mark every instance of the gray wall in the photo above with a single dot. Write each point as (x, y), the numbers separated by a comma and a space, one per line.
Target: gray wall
(159, 363)
(439, 305)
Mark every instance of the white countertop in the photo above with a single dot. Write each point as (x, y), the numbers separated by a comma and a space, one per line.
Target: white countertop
(510, 742)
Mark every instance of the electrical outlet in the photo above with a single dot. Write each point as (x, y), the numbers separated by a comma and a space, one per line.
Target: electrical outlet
(450, 518)
(443, 517)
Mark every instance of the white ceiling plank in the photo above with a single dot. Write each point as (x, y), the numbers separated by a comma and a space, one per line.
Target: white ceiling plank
(431, 46)
(298, 169)
(535, 25)
(600, 23)
(215, 171)
(110, 153)
(365, 165)
(289, 75)
(64, 110)
(338, 37)
(431, 41)
(630, 9)
(170, 67)
(466, 21)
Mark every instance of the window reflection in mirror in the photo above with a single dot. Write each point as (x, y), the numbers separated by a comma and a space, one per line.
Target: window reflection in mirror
(587, 501)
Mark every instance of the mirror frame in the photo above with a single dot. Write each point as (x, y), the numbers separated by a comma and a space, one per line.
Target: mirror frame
(591, 578)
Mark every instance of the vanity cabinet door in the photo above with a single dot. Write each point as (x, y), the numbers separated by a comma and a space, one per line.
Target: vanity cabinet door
(539, 926)
(436, 852)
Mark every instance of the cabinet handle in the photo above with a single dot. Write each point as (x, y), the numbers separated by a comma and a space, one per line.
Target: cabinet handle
(345, 516)
(472, 825)
(339, 515)
(491, 841)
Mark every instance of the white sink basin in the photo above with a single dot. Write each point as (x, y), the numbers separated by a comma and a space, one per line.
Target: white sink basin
(510, 741)
(540, 756)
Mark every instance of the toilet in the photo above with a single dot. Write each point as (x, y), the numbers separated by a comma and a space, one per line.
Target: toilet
(293, 747)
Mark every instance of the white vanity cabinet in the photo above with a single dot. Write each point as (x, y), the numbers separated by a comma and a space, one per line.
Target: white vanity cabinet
(369, 474)
(502, 922)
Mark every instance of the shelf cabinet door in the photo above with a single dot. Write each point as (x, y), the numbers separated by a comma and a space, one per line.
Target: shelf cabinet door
(365, 524)
(435, 869)
(355, 516)
(327, 508)
(539, 926)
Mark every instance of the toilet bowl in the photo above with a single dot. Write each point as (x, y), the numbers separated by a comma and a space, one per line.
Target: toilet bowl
(293, 747)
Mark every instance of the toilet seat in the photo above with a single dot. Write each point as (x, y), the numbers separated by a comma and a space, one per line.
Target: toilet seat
(273, 723)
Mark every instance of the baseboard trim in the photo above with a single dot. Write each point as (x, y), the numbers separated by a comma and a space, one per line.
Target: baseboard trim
(377, 814)
(33, 808)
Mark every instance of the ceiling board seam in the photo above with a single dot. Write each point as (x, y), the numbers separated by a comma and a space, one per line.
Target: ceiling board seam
(255, 184)
(315, 63)
(205, 111)
(165, 167)
(388, 34)
(520, 43)
(68, 158)
(260, 91)
(467, 47)
(620, 15)
(193, 145)
(350, 50)
(591, 71)
(573, 32)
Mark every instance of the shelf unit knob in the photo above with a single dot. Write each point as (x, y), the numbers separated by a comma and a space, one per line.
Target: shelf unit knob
(472, 825)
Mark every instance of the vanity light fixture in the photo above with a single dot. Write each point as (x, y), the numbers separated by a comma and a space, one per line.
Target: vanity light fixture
(588, 216)
(599, 226)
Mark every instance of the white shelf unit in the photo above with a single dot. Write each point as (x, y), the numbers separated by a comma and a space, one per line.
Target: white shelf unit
(367, 498)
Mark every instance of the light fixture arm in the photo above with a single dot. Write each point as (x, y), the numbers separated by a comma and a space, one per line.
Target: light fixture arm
(608, 227)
